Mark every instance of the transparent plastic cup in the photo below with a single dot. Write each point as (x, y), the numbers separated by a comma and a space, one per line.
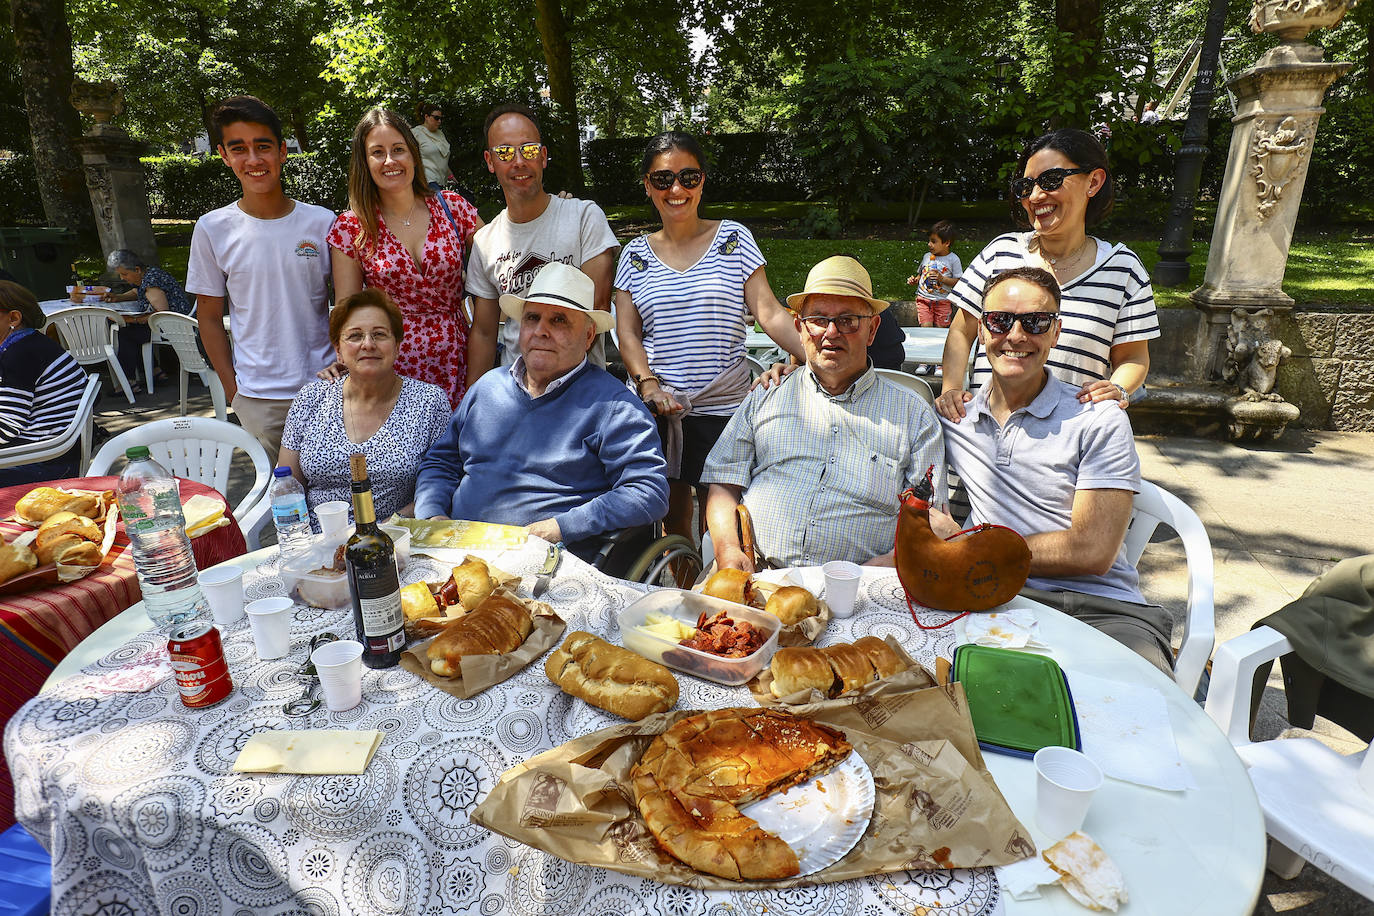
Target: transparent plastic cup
(841, 586)
(270, 619)
(1065, 781)
(340, 667)
(223, 588)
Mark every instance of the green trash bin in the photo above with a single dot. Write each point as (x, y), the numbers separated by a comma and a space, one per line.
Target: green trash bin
(40, 258)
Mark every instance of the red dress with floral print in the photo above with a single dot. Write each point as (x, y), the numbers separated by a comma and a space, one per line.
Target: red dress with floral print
(430, 295)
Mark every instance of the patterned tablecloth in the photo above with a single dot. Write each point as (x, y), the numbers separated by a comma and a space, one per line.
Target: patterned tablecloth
(133, 793)
(38, 628)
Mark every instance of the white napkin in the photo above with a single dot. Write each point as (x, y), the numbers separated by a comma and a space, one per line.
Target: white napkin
(1009, 628)
(203, 513)
(1022, 880)
(1126, 731)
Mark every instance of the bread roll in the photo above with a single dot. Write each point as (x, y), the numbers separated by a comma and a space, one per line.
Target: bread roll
(15, 560)
(85, 504)
(834, 670)
(40, 502)
(851, 666)
(792, 604)
(70, 521)
(495, 627)
(885, 662)
(418, 601)
(802, 668)
(474, 582)
(82, 554)
(611, 678)
(729, 585)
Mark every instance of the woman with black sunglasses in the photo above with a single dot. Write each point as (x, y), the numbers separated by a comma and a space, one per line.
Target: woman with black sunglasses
(684, 298)
(1108, 311)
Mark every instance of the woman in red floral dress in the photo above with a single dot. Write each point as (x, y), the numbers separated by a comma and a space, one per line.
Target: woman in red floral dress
(403, 237)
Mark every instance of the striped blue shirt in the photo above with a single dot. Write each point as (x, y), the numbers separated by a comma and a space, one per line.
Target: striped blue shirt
(1111, 303)
(40, 388)
(694, 320)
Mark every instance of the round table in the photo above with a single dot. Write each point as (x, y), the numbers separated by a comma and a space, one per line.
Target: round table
(134, 792)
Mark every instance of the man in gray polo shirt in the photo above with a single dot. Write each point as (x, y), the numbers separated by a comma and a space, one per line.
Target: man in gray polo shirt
(1060, 472)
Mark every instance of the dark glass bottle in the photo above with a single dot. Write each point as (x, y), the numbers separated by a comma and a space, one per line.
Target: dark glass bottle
(372, 580)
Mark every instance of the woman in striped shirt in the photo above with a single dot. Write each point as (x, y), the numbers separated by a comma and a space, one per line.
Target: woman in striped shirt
(40, 387)
(1108, 307)
(684, 299)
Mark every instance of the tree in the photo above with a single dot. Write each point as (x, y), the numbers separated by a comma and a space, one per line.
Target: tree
(44, 48)
(553, 37)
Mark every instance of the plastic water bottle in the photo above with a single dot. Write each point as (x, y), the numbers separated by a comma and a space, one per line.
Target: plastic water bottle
(290, 514)
(150, 505)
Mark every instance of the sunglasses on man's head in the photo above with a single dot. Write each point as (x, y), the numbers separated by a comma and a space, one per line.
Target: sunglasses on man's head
(1031, 322)
(1049, 180)
(505, 152)
(663, 179)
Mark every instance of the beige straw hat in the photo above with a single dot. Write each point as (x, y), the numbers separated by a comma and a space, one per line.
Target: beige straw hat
(839, 276)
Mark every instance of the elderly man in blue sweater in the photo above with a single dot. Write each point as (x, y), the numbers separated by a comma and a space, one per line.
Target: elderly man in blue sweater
(554, 443)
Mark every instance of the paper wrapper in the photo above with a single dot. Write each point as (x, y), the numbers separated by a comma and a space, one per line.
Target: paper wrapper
(478, 672)
(416, 626)
(913, 678)
(53, 573)
(937, 806)
(107, 498)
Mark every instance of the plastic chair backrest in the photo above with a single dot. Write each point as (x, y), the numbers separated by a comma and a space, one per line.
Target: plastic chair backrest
(196, 448)
(906, 380)
(182, 332)
(86, 332)
(1152, 506)
(56, 446)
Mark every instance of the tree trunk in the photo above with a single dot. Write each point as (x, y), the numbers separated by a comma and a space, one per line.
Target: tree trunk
(1083, 20)
(298, 128)
(553, 35)
(43, 43)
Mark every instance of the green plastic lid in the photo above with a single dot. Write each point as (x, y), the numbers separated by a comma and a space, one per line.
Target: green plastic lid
(1019, 701)
(135, 452)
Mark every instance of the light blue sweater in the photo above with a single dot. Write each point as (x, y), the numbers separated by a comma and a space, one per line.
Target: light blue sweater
(586, 455)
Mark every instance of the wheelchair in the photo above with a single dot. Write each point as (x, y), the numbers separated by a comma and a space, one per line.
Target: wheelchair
(645, 554)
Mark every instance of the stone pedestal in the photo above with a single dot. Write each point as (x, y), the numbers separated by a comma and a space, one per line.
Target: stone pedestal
(114, 175)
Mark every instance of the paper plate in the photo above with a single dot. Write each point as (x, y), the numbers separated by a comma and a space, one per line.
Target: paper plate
(823, 818)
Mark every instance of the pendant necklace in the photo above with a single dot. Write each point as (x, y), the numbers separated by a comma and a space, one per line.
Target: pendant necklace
(406, 222)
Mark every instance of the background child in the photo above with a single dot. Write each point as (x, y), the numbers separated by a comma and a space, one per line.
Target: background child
(939, 272)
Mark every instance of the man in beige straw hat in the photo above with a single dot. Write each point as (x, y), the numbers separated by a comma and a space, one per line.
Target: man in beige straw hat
(821, 458)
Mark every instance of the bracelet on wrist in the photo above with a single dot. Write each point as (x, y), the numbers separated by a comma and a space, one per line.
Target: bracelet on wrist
(641, 379)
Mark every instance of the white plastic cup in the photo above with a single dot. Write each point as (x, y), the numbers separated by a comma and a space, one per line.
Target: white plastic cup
(1065, 781)
(223, 587)
(340, 667)
(333, 516)
(270, 619)
(841, 586)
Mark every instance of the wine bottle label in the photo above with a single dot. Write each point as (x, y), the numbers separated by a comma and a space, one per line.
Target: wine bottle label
(379, 600)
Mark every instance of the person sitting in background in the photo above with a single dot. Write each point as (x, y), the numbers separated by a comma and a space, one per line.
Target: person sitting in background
(888, 350)
(40, 387)
(155, 290)
(372, 411)
(554, 443)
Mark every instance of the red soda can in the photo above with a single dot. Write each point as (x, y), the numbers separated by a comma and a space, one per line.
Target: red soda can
(198, 660)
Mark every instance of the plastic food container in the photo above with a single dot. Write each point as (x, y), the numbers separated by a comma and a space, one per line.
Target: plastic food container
(400, 536)
(302, 578)
(1019, 702)
(687, 607)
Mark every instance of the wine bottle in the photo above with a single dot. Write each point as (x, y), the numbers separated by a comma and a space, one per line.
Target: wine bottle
(372, 580)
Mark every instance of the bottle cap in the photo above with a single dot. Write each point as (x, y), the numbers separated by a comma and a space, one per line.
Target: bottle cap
(281, 472)
(134, 453)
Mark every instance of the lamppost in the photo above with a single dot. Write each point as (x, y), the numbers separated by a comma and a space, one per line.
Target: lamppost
(1177, 244)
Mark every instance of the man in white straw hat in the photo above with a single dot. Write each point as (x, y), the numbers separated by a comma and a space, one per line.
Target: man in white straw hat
(821, 458)
(554, 442)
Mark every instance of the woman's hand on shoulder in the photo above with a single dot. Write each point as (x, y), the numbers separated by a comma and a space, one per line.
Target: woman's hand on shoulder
(1103, 390)
(333, 372)
(774, 376)
(950, 404)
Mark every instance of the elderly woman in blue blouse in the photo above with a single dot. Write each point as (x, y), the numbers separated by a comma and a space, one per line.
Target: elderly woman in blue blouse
(156, 291)
(371, 411)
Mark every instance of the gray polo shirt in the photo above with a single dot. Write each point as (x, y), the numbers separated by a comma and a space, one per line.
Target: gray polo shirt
(1024, 474)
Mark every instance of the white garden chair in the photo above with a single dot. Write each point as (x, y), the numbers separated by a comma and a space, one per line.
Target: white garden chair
(907, 380)
(1318, 804)
(199, 449)
(81, 427)
(1154, 505)
(89, 334)
(182, 332)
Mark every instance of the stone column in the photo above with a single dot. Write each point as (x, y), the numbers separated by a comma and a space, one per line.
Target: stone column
(114, 176)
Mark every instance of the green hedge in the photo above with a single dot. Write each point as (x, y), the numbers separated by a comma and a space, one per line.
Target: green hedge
(184, 187)
(747, 166)
(20, 203)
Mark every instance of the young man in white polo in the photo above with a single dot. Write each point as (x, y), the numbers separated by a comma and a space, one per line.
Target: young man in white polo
(264, 258)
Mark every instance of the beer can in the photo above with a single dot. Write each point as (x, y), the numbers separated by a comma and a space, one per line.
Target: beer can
(198, 660)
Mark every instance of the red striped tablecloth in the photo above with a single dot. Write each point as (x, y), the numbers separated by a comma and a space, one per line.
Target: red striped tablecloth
(38, 628)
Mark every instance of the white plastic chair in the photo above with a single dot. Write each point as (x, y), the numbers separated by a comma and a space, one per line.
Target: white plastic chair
(199, 449)
(1154, 505)
(153, 341)
(1318, 804)
(82, 426)
(89, 334)
(906, 380)
(182, 333)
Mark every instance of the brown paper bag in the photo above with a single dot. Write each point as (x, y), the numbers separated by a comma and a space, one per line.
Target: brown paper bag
(936, 807)
(913, 678)
(479, 672)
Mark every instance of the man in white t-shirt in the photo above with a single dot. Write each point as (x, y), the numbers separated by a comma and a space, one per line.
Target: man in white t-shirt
(534, 229)
(265, 258)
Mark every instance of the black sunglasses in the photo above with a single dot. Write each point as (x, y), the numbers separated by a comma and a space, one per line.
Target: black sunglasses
(663, 179)
(437, 117)
(1049, 180)
(1031, 322)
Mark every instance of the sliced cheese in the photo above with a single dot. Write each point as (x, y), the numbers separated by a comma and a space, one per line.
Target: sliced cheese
(315, 752)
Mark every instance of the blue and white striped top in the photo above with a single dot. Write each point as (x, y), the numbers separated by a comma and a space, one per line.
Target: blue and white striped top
(41, 387)
(694, 320)
(1111, 303)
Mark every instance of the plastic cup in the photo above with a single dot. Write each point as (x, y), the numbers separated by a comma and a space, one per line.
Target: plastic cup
(223, 587)
(333, 516)
(1065, 781)
(270, 619)
(841, 586)
(340, 667)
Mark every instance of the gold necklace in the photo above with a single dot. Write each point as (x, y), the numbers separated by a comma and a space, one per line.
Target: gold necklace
(404, 222)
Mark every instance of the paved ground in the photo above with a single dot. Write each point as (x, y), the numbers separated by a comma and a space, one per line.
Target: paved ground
(1278, 515)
